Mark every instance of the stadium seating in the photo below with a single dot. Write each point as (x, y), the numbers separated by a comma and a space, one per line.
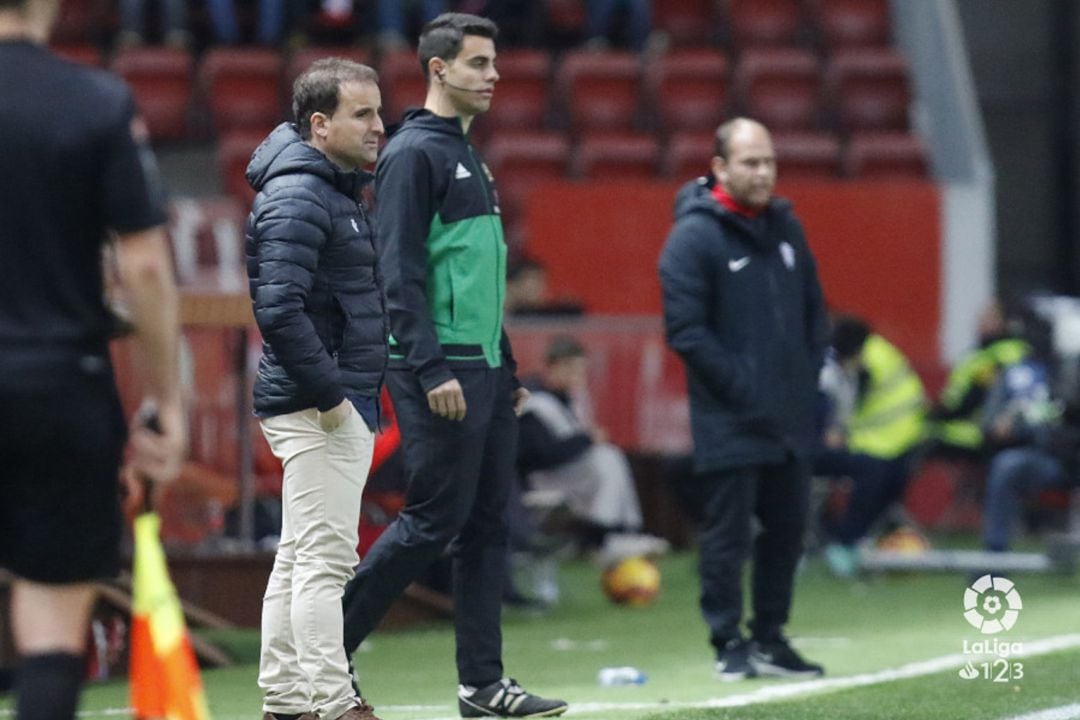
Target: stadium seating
(78, 22)
(687, 22)
(616, 156)
(804, 155)
(301, 60)
(781, 87)
(688, 88)
(81, 53)
(521, 96)
(161, 81)
(242, 88)
(519, 161)
(885, 155)
(853, 23)
(599, 90)
(868, 89)
(754, 23)
(403, 84)
(688, 154)
(233, 155)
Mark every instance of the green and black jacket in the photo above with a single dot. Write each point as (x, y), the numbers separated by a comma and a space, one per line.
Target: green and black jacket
(442, 251)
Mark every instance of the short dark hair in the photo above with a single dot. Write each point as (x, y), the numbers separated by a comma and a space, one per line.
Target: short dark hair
(563, 347)
(522, 265)
(14, 4)
(848, 335)
(317, 88)
(443, 36)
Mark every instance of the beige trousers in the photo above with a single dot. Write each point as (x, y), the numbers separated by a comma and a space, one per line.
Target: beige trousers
(302, 665)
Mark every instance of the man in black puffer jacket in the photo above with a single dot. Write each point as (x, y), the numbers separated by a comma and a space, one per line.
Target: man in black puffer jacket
(744, 310)
(315, 286)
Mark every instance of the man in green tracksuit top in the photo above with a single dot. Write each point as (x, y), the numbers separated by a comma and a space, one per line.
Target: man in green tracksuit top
(451, 372)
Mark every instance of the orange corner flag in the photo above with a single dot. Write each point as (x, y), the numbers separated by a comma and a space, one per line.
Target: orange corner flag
(165, 679)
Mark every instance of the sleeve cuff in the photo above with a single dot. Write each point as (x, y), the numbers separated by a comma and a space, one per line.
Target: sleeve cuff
(433, 377)
(330, 400)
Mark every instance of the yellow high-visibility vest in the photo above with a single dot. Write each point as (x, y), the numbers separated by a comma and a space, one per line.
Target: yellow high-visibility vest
(979, 367)
(889, 418)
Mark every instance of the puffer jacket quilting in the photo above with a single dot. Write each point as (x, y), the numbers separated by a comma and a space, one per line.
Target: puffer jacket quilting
(313, 278)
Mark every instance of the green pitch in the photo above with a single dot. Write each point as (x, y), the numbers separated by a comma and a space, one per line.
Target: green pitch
(857, 630)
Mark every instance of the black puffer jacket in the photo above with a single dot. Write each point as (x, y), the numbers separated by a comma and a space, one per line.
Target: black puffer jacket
(314, 282)
(744, 310)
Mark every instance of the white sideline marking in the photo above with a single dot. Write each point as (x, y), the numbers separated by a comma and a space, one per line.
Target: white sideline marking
(769, 693)
(1065, 712)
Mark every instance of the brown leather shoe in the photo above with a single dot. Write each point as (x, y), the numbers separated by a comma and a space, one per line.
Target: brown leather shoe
(363, 711)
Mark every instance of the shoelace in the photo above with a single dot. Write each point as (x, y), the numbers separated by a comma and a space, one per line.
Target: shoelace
(509, 696)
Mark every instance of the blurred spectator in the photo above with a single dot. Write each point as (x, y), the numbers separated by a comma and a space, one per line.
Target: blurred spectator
(273, 17)
(874, 443)
(527, 292)
(174, 22)
(600, 19)
(1035, 448)
(561, 450)
(955, 420)
(392, 20)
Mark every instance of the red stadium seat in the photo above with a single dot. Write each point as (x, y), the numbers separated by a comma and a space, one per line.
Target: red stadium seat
(403, 84)
(161, 80)
(521, 96)
(885, 155)
(78, 21)
(802, 155)
(566, 17)
(853, 23)
(81, 53)
(519, 161)
(868, 89)
(689, 89)
(233, 155)
(765, 22)
(242, 87)
(781, 87)
(301, 60)
(616, 156)
(689, 154)
(207, 234)
(687, 22)
(599, 90)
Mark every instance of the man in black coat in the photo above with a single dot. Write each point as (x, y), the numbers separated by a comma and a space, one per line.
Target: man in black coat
(744, 310)
(315, 286)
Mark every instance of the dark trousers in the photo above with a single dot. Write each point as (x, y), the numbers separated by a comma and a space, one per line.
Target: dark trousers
(778, 495)
(459, 476)
(877, 483)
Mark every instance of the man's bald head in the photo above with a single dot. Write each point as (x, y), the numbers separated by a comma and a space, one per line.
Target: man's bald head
(744, 162)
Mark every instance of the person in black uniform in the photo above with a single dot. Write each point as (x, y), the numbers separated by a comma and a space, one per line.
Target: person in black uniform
(73, 166)
(744, 310)
(451, 372)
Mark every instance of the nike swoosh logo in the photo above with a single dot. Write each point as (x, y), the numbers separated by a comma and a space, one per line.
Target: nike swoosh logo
(737, 265)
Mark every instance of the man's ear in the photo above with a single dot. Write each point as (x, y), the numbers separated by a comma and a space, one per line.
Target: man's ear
(719, 169)
(318, 125)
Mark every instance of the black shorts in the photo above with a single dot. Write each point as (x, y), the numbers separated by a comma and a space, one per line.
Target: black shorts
(60, 450)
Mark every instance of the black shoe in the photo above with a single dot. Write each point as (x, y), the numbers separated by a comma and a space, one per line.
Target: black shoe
(505, 698)
(733, 662)
(778, 659)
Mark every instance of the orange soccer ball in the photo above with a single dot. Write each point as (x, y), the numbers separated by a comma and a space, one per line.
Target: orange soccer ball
(634, 581)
